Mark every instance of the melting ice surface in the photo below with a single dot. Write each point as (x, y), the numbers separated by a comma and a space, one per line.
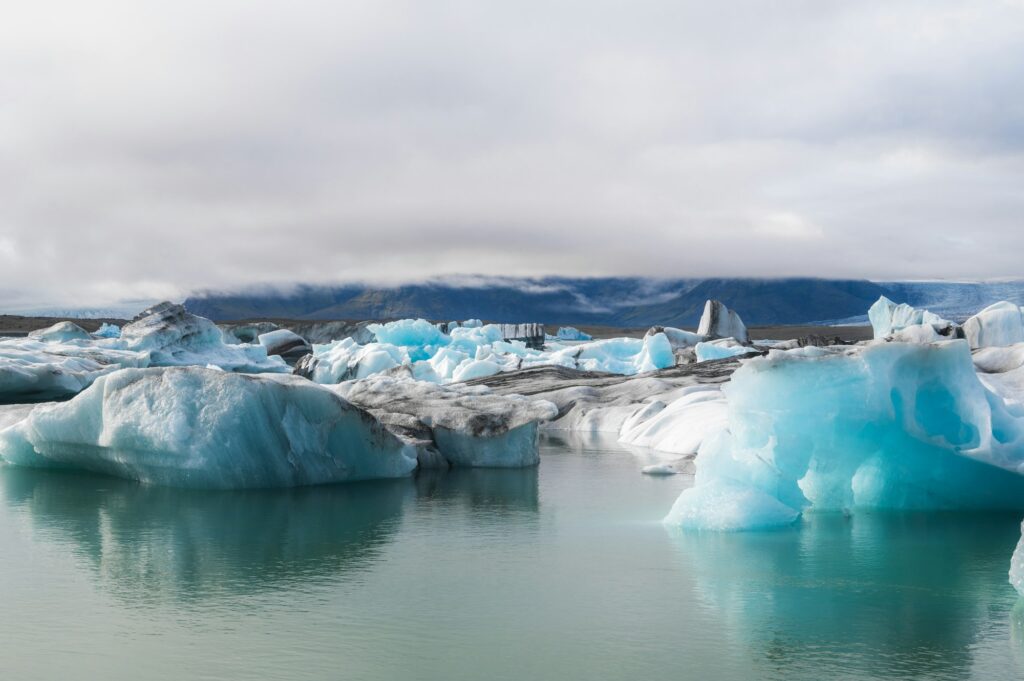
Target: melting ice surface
(557, 572)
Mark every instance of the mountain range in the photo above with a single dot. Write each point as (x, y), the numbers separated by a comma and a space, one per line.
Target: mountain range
(609, 301)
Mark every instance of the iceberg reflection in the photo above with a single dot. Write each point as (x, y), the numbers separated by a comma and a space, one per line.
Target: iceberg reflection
(894, 595)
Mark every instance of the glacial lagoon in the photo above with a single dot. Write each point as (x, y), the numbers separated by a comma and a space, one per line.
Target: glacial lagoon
(563, 571)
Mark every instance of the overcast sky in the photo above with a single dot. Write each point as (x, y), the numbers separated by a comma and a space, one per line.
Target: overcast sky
(149, 148)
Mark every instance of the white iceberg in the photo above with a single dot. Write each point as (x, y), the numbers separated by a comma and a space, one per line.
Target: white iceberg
(60, 332)
(887, 318)
(997, 325)
(192, 427)
(60, 361)
(721, 349)
(718, 321)
(886, 426)
(171, 336)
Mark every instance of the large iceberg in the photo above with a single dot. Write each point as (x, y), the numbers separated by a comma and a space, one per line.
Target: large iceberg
(455, 425)
(198, 427)
(193, 427)
(892, 425)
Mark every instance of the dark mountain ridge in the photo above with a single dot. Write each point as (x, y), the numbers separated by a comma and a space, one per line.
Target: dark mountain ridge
(608, 301)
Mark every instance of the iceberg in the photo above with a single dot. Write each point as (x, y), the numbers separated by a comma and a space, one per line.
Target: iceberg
(721, 349)
(1017, 565)
(455, 425)
(286, 344)
(571, 333)
(193, 427)
(64, 359)
(718, 321)
(472, 352)
(887, 318)
(32, 370)
(171, 336)
(107, 331)
(207, 428)
(895, 425)
(60, 332)
(997, 325)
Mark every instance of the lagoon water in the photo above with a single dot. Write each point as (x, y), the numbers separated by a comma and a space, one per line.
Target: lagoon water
(560, 572)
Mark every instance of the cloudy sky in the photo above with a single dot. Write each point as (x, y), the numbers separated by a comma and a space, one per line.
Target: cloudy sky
(150, 148)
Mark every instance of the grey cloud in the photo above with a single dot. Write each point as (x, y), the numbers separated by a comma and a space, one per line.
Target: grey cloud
(152, 148)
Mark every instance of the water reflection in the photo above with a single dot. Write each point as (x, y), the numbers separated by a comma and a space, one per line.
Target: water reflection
(876, 595)
(148, 544)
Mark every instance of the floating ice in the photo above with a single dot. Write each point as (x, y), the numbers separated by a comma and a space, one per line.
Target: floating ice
(721, 349)
(678, 338)
(107, 331)
(571, 333)
(470, 352)
(60, 361)
(173, 337)
(192, 427)
(33, 370)
(60, 332)
(1017, 565)
(455, 425)
(285, 343)
(996, 325)
(887, 426)
(718, 321)
(887, 317)
(659, 469)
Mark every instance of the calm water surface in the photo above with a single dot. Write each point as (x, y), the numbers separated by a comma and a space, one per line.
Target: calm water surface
(561, 572)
